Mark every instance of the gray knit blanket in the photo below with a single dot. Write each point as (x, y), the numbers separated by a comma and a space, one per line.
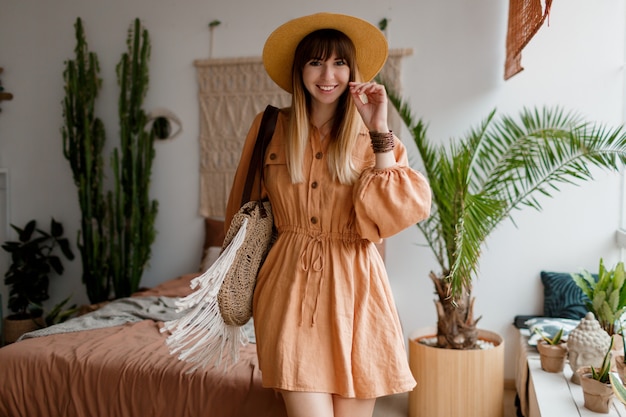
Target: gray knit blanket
(120, 312)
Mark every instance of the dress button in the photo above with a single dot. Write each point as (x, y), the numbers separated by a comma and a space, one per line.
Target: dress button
(314, 184)
(272, 156)
(318, 155)
(314, 220)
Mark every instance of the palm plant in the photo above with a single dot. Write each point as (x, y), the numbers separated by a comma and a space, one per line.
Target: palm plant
(502, 165)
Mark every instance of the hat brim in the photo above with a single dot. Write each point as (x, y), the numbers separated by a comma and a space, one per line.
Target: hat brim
(278, 53)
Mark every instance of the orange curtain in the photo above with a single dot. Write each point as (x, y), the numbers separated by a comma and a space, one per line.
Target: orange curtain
(525, 19)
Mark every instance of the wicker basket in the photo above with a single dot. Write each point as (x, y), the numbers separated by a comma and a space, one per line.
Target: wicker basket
(13, 329)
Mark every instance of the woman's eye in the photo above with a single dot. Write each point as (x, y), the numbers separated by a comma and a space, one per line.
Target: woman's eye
(315, 62)
(340, 62)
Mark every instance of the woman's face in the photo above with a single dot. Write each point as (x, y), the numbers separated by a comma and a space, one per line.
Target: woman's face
(326, 80)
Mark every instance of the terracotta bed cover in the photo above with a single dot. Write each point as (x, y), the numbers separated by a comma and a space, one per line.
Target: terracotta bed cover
(125, 370)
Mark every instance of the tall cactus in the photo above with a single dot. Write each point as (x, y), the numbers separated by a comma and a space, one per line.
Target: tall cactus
(83, 141)
(132, 213)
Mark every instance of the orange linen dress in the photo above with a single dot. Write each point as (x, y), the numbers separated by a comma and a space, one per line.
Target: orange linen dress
(324, 314)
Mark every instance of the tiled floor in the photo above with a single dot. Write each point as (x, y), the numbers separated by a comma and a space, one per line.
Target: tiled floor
(398, 405)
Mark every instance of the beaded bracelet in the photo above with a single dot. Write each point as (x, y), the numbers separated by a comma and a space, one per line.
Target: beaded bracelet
(382, 142)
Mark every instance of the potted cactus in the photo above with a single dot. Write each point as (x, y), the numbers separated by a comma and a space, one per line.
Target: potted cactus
(117, 225)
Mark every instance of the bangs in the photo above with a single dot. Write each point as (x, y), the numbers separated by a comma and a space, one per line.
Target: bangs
(322, 44)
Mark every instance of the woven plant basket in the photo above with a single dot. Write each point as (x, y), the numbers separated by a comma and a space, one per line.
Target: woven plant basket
(13, 328)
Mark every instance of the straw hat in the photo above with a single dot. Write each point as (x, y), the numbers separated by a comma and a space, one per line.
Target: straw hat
(280, 46)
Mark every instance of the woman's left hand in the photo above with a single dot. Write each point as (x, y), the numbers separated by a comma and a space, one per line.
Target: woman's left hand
(373, 109)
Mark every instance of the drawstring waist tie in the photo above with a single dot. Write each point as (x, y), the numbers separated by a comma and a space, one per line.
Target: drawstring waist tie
(312, 259)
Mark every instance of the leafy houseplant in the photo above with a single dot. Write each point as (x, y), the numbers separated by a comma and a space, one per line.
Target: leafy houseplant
(501, 166)
(607, 294)
(33, 259)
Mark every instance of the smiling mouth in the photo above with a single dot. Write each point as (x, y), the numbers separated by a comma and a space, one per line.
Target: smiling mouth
(326, 87)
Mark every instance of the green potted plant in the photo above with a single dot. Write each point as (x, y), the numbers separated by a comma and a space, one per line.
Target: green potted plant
(606, 293)
(596, 384)
(59, 313)
(618, 387)
(552, 351)
(117, 225)
(504, 164)
(33, 260)
(620, 358)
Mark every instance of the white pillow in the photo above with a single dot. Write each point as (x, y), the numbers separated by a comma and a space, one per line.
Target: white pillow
(549, 326)
(210, 256)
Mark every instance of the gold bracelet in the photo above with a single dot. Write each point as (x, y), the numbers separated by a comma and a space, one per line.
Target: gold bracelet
(382, 142)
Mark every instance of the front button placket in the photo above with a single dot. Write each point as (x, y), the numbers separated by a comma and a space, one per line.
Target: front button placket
(314, 203)
(312, 257)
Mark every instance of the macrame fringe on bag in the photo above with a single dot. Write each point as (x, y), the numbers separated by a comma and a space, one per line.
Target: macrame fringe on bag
(201, 336)
(211, 332)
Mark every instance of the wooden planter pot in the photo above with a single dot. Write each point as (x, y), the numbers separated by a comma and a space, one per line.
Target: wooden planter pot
(598, 396)
(456, 383)
(552, 357)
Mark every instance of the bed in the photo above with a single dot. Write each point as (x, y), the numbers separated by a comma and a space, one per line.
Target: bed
(113, 362)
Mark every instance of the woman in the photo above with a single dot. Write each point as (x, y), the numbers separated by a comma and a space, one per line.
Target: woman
(328, 335)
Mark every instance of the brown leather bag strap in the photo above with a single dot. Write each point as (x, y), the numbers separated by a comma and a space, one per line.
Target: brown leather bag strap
(266, 131)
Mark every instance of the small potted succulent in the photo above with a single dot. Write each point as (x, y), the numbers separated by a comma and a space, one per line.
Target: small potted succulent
(596, 384)
(552, 351)
(33, 260)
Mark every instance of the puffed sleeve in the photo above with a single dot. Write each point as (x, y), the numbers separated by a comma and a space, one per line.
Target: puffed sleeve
(389, 200)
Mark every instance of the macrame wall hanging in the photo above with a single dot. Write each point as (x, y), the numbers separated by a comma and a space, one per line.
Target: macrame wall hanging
(231, 92)
(525, 19)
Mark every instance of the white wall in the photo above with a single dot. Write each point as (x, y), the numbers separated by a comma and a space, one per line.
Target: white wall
(453, 80)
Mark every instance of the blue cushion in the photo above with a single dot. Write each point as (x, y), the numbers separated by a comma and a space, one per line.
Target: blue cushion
(562, 297)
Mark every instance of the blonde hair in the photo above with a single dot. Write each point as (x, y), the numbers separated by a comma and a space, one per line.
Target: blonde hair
(348, 124)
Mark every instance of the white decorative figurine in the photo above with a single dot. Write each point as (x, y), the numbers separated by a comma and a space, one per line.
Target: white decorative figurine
(587, 345)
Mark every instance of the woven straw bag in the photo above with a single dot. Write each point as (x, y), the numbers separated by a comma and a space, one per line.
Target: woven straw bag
(235, 295)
